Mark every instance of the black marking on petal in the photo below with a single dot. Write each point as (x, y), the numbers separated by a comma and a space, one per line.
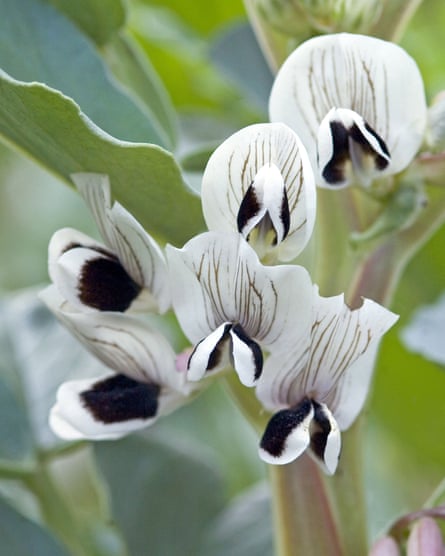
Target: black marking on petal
(320, 429)
(285, 215)
(333, 172)
(249, 207)
(281, 426)
(380, 161)
(380, 141)
(216, 354)
(96, 248)
(105, 285)
(120, 398)
(253, 346)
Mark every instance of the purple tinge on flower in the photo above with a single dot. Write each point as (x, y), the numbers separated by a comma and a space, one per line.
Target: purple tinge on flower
(144, 383)
(230, 306)
(345, 96)
(128, 271)
(260, 182)
(318, 384)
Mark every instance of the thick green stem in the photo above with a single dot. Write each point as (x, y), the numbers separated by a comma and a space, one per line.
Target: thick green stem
(304, 523)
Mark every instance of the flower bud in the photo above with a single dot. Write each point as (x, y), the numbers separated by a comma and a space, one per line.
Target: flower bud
(323, 16)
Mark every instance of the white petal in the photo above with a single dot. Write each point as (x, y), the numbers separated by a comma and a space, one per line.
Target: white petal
(70, 418)
(325, 438)
(137, 251)
(218, 278)
(233, 167)
(287, 434)
(247, 357)
(364, 74)
(125, 344)
(96, 192)
(333, 363)
(210, 354)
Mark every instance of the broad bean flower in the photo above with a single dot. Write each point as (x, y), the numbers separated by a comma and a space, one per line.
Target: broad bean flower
(260, 183)
(357, 103)
(128, 271)
(143, 382)
(318, 383)
(230, 306)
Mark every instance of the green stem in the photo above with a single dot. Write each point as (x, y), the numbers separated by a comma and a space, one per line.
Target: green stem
(304, 523)
(55, 511)
(346, 491)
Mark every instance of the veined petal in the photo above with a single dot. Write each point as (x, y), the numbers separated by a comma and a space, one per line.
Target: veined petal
(103, 408)
(364, 74)
(287, 434)
(325, 438)
(334, 364)
(217, 278)
(125, 344)
(136, 250)
(262, 171)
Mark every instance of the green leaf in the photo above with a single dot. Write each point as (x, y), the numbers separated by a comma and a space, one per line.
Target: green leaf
(37, 43)
(134, 71)
(144, 178)
(38, 354)
(244, 528)
(163, 497)
(22, 537)
(99, 19)
(237, 54)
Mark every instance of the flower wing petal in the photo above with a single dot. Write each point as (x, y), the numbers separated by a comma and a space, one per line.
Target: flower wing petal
(103, 408)
(233, 166)
(364, 74)
(325, 438)
(287, 434)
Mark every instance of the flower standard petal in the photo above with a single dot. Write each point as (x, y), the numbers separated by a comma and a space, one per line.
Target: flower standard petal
(260, 178)
(226, 283)
(364, 74)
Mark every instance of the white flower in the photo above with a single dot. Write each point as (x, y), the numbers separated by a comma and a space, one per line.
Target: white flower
(357, 103)
(144, 383)
(230, 305)
(260, 182)
(319, 383)
(127, 271)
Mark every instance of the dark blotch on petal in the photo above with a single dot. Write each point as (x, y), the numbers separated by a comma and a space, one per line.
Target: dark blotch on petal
(285, 214)
(253, 346)
(320, 430)
(249, 207)
(105, 285)
(120, 398)
(380, 162)
(333, 172)
(216, 355)
(281, 426)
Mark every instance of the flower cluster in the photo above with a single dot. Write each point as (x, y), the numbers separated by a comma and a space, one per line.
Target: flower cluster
(238, 296)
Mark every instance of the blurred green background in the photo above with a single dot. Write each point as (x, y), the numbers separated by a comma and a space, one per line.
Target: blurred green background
(202, 79)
